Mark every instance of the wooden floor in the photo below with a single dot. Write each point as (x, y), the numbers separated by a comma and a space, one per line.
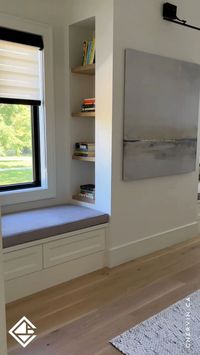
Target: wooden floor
(79, 317)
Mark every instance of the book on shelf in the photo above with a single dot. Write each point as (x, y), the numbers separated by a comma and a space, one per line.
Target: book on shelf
(85, 48)
(87, 108)
(92, 52)
(88, 105)
(87, 195)
(87, 191)
(87, 187)
(84, 146)
(89, 101)
(88, 52)
(83, 149)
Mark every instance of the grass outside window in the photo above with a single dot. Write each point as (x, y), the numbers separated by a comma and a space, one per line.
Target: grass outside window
(14, 170)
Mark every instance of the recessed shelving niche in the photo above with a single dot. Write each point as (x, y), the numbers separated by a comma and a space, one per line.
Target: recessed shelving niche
(82, 86)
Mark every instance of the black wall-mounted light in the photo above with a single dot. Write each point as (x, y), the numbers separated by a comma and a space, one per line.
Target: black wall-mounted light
(170, 14)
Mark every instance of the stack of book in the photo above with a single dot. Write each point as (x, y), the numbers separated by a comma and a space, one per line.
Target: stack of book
(88, 105)
(87, 191)
(88, 52)
(83, 149)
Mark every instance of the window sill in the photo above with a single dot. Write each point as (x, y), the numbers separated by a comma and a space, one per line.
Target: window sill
(26, 195)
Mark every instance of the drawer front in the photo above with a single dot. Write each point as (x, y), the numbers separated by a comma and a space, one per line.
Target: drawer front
(70, 248)
(22, 262)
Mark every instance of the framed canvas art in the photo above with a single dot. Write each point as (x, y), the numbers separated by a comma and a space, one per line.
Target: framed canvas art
(161, 108)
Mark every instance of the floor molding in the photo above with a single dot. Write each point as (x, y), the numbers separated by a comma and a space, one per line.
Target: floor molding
(198, 213)
(130, 251)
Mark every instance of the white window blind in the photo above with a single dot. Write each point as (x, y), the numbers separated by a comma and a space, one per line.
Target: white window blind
(19, 71)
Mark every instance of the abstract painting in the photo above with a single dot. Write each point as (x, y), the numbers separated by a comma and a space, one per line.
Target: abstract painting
(161, 108)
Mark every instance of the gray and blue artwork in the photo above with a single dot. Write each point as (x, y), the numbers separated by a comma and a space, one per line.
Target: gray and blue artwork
(160, 116)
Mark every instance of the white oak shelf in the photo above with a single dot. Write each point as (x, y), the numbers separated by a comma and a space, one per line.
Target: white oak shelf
(88, 69)
(87, 159)
(84, 114)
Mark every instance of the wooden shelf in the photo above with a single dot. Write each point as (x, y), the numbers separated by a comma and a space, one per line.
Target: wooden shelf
(88, 69)
(83, 199)
(89, 159)
(84, 114)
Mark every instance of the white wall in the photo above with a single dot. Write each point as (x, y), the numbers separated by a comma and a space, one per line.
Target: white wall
(51, 13)
(163, 210)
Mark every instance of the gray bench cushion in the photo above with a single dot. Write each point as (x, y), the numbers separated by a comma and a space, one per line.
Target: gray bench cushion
(28, 226)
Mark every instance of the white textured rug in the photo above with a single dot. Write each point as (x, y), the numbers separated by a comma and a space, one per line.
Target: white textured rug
(174, 331)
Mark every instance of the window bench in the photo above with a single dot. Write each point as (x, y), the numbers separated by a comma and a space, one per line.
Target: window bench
(48, 246)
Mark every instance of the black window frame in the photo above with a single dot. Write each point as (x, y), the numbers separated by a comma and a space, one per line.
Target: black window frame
(35, 122)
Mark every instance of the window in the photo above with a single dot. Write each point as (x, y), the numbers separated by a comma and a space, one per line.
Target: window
(19, 147)
(21, 97)
(33, 36)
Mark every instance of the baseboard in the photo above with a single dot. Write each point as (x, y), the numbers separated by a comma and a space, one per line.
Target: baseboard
(43, 279)
(198, 213)
(130, 251)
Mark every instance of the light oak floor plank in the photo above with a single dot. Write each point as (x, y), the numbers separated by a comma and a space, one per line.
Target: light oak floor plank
(81, 316)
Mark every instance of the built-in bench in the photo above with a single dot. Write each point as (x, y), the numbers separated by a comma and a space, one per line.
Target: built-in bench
(47, 246)
(23, 227)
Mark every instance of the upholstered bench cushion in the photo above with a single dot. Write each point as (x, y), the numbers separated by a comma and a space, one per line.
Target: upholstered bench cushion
(28, 226)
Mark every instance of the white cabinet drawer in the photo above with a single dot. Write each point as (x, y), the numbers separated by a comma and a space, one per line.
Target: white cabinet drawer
(70, 248)
(21, 262)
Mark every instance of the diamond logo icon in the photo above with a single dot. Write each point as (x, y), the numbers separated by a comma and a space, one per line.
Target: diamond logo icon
(23, 332)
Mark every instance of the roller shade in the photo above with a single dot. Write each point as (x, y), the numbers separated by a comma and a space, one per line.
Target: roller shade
(19, 71)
